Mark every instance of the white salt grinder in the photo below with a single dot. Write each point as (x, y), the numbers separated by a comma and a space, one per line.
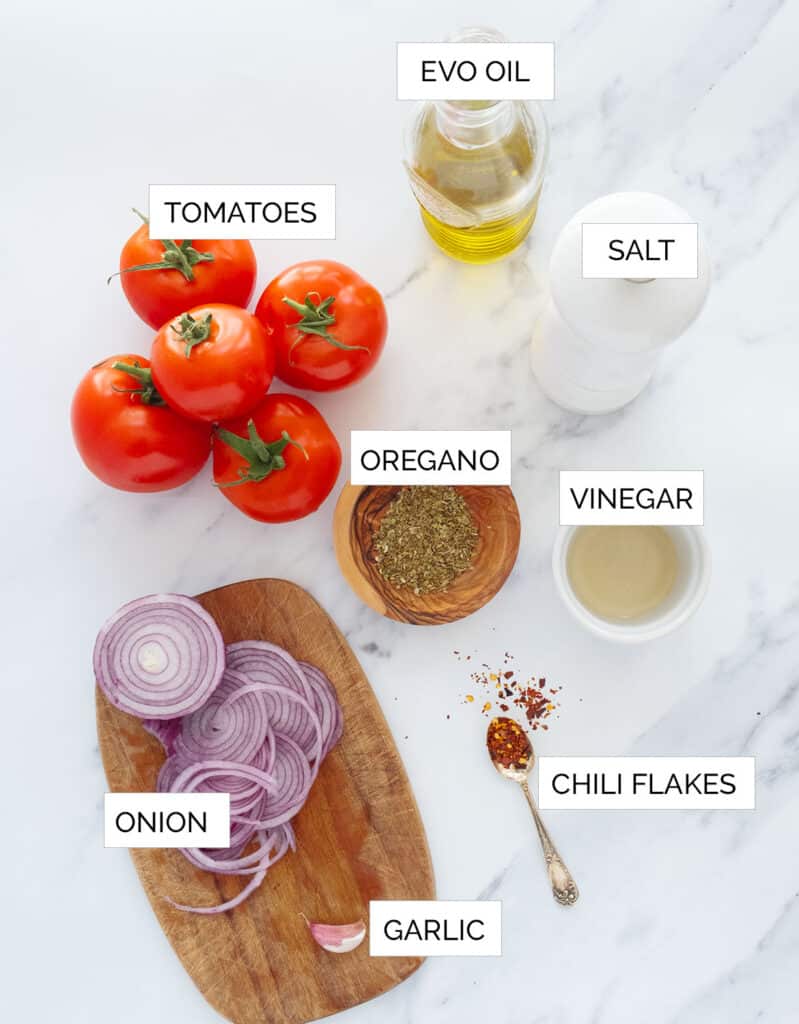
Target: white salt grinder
(598, 340)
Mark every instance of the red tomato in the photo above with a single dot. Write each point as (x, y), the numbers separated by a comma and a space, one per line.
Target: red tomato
(328, 324)
(213, 363)
(129, 440)
(161, 279)
(278, 464)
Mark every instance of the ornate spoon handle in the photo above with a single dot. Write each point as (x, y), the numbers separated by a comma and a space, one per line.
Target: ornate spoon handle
(564, 888)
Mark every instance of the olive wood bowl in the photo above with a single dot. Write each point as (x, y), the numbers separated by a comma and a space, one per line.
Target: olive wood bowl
(357, 518)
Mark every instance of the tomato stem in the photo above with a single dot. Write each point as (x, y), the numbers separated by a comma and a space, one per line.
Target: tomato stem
(262, 457)
(183, 257)
(315, 318)
(192, 331)
(148, 391)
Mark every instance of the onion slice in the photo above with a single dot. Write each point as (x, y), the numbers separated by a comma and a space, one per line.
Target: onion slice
(327, 705)
(263, 662)
(165, 730)
(159, 657)
(271, 846)
(230, 726)
(248, 889)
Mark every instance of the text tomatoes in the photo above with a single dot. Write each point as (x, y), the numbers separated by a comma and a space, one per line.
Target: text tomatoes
(328, 324)
(161, 279)
(213, 363)
(280, 462)
(126, 435)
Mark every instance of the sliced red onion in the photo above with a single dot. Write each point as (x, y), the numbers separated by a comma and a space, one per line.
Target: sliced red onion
(245, 790)
(197, 776)
(257, 728)
(159, 657)
(292, 783)
(272, 845)
(170, 770)
(277, 695)
(240, 838)
(241, 787)
(263, 662)
(223, 730)
(165, 730)
(327, 706)
(248, 889)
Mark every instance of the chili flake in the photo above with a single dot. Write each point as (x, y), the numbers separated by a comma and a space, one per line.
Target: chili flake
(508, 744)
(532, 697)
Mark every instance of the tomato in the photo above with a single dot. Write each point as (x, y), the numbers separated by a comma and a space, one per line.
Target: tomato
(126, 436)
(161, 279)
(278, 464)
(213, 363)
(328, 324)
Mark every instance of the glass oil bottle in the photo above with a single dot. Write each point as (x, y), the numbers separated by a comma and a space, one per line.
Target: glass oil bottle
(476, 168)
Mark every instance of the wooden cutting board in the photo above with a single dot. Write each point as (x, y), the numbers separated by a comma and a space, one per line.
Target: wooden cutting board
(359, 837)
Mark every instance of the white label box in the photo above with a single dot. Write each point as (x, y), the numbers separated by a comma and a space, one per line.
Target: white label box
(646, 783)
(402, 457)
(475, 71)
(243, 211)
(640, 250)
(435, 928)
(167, 820)
(632, 498)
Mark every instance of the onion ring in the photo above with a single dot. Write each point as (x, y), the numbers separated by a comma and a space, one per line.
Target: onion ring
(159, 657)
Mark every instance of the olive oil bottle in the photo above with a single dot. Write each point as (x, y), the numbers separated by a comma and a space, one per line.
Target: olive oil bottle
(476, 169)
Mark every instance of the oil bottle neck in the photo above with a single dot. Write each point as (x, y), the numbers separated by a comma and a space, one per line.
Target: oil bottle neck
(474, 123)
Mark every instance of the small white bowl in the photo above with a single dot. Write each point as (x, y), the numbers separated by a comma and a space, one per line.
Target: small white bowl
(690, 587)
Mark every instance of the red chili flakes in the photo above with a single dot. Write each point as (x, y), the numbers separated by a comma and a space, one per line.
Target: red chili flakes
(533, 698)
(508, 744)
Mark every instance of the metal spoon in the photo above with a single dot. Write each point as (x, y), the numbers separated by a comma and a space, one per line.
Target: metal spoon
(564, 888)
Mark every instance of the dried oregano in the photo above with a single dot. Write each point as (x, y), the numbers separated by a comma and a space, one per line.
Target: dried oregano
(426, 538)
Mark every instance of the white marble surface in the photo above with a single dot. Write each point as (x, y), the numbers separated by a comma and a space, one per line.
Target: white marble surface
(684, 917)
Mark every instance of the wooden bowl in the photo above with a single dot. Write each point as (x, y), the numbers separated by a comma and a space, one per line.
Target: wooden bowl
(357, 517)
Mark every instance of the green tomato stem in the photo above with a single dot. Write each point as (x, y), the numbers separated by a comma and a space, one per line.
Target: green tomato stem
(147, 391)
(262, 457)
(315, 318)
(192, 331)
(183, 257)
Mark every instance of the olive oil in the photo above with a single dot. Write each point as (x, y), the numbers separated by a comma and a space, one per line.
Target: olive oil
(471, 168)
(476, 168)
(622, 573)
(483, 243)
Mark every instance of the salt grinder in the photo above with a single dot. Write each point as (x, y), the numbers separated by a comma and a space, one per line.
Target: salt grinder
(598, 341)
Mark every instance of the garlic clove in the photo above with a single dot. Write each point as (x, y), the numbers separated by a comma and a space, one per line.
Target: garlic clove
(337, 938)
